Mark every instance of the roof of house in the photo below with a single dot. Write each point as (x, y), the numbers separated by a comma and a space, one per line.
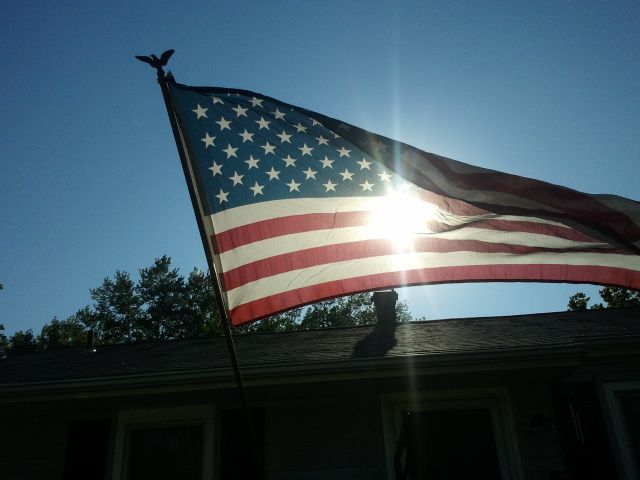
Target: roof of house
(536, 333)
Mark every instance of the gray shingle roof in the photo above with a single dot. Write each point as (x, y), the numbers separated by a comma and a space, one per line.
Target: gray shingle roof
(537, 332)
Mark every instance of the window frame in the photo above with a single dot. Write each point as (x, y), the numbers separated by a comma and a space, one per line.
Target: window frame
(496, 400)
(165, 417)
(616, 424)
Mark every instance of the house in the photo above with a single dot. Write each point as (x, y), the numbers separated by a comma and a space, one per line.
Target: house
(544, 396)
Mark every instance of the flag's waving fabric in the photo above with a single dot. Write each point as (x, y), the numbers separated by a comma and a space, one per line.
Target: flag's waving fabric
(299, 207)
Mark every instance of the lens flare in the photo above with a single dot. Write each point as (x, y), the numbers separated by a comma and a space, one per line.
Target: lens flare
(400, 217)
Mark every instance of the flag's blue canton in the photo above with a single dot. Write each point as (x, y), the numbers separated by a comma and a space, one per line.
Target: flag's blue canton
(250, 149)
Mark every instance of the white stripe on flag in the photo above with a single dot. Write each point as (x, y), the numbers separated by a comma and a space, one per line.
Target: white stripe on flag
(315, 275)
(335, 236)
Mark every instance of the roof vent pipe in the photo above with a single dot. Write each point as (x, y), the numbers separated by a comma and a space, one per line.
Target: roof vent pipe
(385, 303)
(90, 341)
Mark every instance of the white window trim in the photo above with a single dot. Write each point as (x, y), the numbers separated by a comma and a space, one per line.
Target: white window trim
(623, 450)
(159, 417)
(496, 400)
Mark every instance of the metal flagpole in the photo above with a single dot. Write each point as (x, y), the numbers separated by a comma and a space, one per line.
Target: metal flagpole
(158, 64)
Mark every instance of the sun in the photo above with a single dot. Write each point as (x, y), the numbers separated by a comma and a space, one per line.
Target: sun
(401, 217)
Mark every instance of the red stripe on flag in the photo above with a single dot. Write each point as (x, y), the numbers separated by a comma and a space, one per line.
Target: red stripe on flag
(477, 273)
(374, 248)
(568, 201)
(276, 227)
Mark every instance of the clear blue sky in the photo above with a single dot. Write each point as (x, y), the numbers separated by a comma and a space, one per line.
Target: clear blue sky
(91, 180)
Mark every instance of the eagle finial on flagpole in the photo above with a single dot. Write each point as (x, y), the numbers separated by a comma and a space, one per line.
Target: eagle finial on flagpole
(156, 62)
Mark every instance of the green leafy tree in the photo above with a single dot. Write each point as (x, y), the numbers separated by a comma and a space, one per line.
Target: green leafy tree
(117, 315)
(4, 342)
(162, 293)
(62, 333)
(620, 297)
(23, 342)
(162, 304)
(282, 322)
(613, 297)
(357, 309)
(578, 301)
(346, 311)
(203, 318)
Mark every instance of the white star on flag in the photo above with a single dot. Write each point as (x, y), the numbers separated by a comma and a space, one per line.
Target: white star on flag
(326, 163)
(240, 112)
(346, 175)
(305, 150)
(208, 140)
(257, 189)
(329, 186)
(252, 162)
(273, 174)
(284, 137)
(343, 152)
(216, 169)
(230, 151)
(384, 176)
(366, 186)
(224, 123)
(293, 185)
(364, 164)
(246, 136)
(310, 173)
(263, 123)
(200, 112)
(222, 196)
(268, 148)
(236, 179)
(289, 161)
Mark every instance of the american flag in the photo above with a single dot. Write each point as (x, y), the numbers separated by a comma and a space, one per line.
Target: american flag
(299, 207)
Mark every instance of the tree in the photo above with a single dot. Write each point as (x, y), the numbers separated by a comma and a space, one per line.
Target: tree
(355, 309)
(282, 322)
(578, 301)
(62, 333)
(23, 342)
(614, 297)
(203, 318)
(4, 341)
(620, 297)
(162, 304)
(117, 314)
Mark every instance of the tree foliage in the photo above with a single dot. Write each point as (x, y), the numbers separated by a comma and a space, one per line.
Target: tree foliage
(162, 304)
(613, 297)
(23, 342)
(61, 333)
(4, 341)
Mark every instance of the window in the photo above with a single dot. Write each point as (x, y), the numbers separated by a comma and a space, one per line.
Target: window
(451, 435)
(623, 408)
(237, 456)
(165, 443)
(87, 447)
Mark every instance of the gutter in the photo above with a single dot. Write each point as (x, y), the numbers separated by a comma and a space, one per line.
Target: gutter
(549, 356)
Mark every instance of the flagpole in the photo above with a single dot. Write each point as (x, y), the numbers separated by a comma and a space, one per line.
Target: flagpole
(158, 64)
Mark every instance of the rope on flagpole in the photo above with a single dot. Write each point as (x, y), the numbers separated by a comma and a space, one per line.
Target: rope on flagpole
(159, 64)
